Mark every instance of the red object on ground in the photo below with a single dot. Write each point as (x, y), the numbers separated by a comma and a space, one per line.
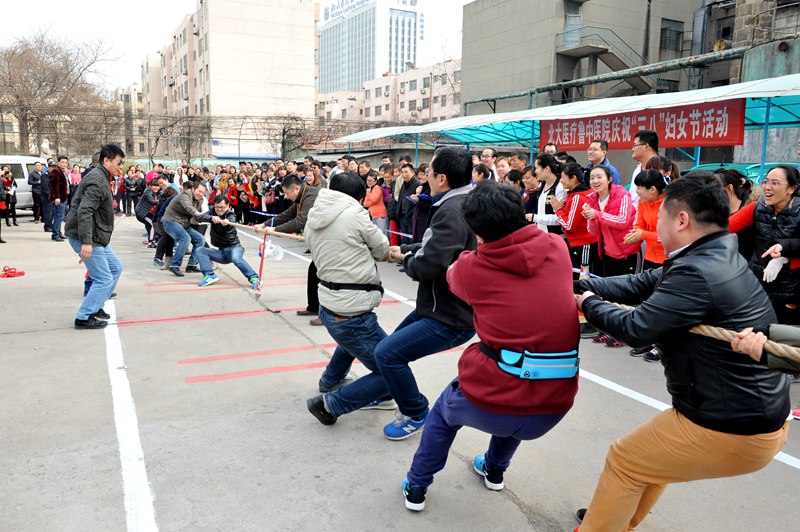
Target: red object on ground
(11, 272)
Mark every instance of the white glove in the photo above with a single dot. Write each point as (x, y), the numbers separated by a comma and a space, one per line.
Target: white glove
(773, 268)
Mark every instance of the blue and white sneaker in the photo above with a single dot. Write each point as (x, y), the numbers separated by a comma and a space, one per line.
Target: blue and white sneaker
(208, 280)
(388, 404)
(492, 478)
(403, 427)
(414, 496)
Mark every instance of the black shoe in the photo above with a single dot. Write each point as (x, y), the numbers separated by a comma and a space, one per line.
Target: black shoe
(192, 269)
(113, 295)
(414, 496)
(102, 314)
(316, 405)
(640, 351)
(588, 331)
(2, 241)
(91, 323)
(56, 239)
(580, 514)
(16, 224)
(307, 312)
(176, 270)
(654, 355)
(325, 389)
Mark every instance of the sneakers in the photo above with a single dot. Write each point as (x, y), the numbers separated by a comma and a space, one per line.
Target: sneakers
(306, 313)
(492, 478)
(796, 413)
(414, 496)
(192, 269)
(102, 315)
(381, 404)
(580, 514)
(323, 388)
(316, 405)
(176, 271)
(654, 355)
(588, 330)
(90, 323)
(640, 351)
(403, 427)
(208, 280)
(253, 282)
(158, 263)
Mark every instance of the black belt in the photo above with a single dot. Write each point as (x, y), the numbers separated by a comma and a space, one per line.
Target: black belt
(352, 286)
(341, 316)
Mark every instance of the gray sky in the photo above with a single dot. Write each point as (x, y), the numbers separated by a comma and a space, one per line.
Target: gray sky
(131, 29)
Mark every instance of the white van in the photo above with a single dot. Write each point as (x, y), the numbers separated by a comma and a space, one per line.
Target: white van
(21, 166)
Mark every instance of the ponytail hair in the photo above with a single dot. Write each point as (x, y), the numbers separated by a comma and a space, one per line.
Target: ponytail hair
(577, 171)
(742, 187)
(546, 160)
(651, 178)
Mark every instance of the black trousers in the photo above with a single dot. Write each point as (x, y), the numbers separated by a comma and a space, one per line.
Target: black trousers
(311, 289)
(37, 206)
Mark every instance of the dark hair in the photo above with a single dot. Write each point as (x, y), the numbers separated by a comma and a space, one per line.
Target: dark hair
(385, 167)
(702, 196)
(603, 144)
(650, 178)
(219, 198)
(423, 168)
(494, 151)
(96, 157)
(575, 170)
(522, 155)
(64, 157)
(387, 156)
(405, 159)
(606, 170)
(291, 181)
(742, 187)
(551, 144)
(365, 163)
(483, 170)
(188, 185)
(792, 176)
(455, 163)
(546, 160)
(494, 211)
(661, 163)
(648, 136)
(350, 184)
(514, 176)
(409, 165)
(107, 151)
(565, 158)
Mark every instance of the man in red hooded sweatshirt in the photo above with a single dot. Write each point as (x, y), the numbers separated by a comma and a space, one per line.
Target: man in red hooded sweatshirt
(520, 380)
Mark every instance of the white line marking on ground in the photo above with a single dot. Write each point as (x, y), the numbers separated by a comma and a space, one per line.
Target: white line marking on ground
(611, 385)
(139, 510)
(658, 405)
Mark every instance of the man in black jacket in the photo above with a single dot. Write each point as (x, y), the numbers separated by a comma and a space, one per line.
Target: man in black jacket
(225, 237)
(441, 321)
(35, 181)
(89, 224)
(728, 414)
(405, 206)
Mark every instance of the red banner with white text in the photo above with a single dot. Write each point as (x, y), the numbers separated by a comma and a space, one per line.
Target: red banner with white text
(705, 124)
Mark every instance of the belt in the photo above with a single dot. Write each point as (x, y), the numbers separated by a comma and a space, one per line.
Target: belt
(352, 286)
(340, 317)
(534, 366)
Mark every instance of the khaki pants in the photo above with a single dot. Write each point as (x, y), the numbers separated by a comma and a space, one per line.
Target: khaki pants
(667, 449)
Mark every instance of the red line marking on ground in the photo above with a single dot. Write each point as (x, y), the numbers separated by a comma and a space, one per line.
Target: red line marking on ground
(184, 283)
(276, 369)
(195, 289)
(268, 352)
(192, 317)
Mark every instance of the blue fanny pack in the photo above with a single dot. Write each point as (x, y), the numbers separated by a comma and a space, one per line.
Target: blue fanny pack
(534, 366)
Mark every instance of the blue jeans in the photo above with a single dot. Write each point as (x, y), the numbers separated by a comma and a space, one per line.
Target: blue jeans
(453, 411)
(182, 237)
(413, 339)
(357, 338)
(105, 269)
(232, 254)
(58, 217)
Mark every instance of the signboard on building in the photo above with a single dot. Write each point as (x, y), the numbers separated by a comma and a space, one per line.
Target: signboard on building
(706, 124)
(340, 8)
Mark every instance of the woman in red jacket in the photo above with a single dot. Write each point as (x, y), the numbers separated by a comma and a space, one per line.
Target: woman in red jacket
(582, 243)
(374, 203)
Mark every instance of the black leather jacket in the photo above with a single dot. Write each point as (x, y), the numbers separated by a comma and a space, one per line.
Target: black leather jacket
(708, 283)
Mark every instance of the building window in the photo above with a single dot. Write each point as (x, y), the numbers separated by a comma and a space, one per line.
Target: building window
(426, 102)
(412, 105)
(457, 76)
(377, 92)
(141, 147)
(671, 34)
(328, 115)
(670, 84)
(724, 29)
(402, 105)
(367, 94)
(344, 114)
(443, 79)
(386, 107)
(402, 85)
(426, 82)
(443, 100)
(366, 112)
(435, 100)
(141, 130)
(412, 85)
(377, 110)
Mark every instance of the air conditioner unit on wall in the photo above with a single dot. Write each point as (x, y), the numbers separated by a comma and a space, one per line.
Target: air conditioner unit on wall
(413, 113)
(423, 90)
(386, 93)
(402, 91)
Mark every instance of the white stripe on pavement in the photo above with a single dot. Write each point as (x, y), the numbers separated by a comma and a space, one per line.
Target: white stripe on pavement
(139, 510)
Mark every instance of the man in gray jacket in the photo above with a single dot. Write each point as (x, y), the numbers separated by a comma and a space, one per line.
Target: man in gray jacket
(345, 244)
(89, 224)
(176, 221)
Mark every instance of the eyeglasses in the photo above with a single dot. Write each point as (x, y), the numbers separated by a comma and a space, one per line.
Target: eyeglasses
(637, 145)
(593, 149)
(774, 184)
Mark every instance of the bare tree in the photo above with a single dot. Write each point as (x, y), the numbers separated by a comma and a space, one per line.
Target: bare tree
(42, 76)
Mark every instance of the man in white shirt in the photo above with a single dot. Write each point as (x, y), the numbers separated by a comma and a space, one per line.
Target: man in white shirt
(645, 147)
(488, 157)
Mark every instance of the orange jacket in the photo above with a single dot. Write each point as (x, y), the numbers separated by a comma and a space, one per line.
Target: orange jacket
(647, 220)
(374, 202)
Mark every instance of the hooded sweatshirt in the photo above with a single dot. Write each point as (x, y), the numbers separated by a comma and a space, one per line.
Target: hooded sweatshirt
(498, 280)
(345, 244)
(613, 223)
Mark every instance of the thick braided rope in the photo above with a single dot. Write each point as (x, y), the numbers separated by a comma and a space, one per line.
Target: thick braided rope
(718, 333)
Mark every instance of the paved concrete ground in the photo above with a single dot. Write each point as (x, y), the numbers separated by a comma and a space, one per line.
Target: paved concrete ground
(228, 443)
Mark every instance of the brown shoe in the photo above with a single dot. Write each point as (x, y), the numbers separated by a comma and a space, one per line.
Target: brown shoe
(306, 313)
(316, 322)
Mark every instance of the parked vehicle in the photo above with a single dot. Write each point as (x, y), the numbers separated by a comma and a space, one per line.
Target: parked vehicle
(21, 166)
